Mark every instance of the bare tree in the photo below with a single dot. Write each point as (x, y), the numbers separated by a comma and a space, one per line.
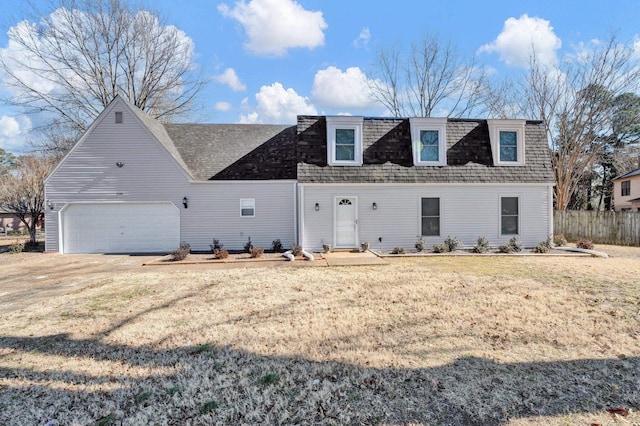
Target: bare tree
(430, 78)
(22, 191)
(574, 101)
(72, 62)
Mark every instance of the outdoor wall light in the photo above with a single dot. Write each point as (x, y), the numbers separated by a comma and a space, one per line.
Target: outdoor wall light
(120, 164)
(317, 207)
(50, 204)
(185, 202)
(374, 206)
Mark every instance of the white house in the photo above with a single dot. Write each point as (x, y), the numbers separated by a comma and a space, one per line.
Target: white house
(131, 184)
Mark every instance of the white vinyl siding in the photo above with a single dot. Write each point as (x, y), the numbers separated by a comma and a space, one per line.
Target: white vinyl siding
(150, 174)
(466, 212)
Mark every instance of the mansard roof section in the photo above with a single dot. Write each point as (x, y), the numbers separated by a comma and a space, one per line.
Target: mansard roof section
(387, 155)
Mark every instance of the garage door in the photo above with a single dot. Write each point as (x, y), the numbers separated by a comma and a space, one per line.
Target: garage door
(120, 228)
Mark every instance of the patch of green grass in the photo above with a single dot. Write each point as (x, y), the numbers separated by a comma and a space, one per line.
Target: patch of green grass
(104, 421)
(201, 349)
(135, 293)
(208, 407)
(269, 379)
(174, 390)
(142, 397)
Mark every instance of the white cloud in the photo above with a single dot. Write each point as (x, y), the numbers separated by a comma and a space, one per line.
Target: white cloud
(335, 89)
(278, 105)
(521, 37)
(363, 39)
(274, 26)
(223, 106)
(230, 78)
(13, 132)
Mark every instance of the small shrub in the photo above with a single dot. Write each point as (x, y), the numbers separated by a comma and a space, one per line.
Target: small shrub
(216, 245)
(482, 246)
(559, 240)
(439, 248)
(16, 247)
(398, 250)
(181, 253)
(543, 247)
(256, 252)
(585, 244)
(220, 253)
(296, 249)
(276, 245)
(420, 244)
(505, 249)
(248, 245)
(451, 243)
(515, 244)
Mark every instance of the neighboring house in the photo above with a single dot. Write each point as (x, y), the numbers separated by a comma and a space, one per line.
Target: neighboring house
(626, 191)
(132, 184)
(9, 221)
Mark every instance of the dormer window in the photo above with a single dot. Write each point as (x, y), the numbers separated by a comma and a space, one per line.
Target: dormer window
(344, 141)
(429, 141)
(507, 142)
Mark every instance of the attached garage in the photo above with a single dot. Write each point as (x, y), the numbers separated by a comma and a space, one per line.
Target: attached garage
(119, 227)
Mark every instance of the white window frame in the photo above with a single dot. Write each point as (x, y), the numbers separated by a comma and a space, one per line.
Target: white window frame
(251, 204)
(440, 205)
(497, 126)
(519, 197)
(344, 122)
(418, 124)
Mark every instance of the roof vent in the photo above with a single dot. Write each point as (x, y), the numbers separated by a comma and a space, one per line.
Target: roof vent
(118, 117)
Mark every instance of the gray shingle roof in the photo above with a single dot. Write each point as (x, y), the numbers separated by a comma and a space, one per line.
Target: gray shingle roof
(236, 151)
(387, 155)
(635, 172)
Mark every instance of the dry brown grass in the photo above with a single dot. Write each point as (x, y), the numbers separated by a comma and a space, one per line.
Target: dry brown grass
(451, 340)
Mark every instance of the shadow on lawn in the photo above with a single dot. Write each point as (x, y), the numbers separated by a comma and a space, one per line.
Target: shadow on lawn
(176, 386)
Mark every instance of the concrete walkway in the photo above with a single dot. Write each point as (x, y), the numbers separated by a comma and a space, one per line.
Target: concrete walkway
(349, 258)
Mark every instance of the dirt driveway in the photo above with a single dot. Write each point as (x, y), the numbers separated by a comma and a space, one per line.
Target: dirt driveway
(29, 278)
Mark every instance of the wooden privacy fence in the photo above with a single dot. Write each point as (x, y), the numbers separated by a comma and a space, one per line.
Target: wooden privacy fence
(608, 227)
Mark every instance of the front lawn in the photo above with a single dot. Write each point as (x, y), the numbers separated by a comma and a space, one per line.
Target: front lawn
(423, 340)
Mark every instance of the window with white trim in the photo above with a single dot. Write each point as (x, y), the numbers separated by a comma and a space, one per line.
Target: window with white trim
(247, 207)
(344, 141)
(507, 142)
(118, 117)
(429, 141)
(430, 217)
(509, 215)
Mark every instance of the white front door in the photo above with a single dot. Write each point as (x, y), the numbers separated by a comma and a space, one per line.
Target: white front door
(346, 223)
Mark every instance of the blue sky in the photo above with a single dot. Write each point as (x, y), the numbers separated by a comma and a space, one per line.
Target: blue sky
(269, 60)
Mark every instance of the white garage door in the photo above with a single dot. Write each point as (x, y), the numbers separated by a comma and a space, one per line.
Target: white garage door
(120, 228)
